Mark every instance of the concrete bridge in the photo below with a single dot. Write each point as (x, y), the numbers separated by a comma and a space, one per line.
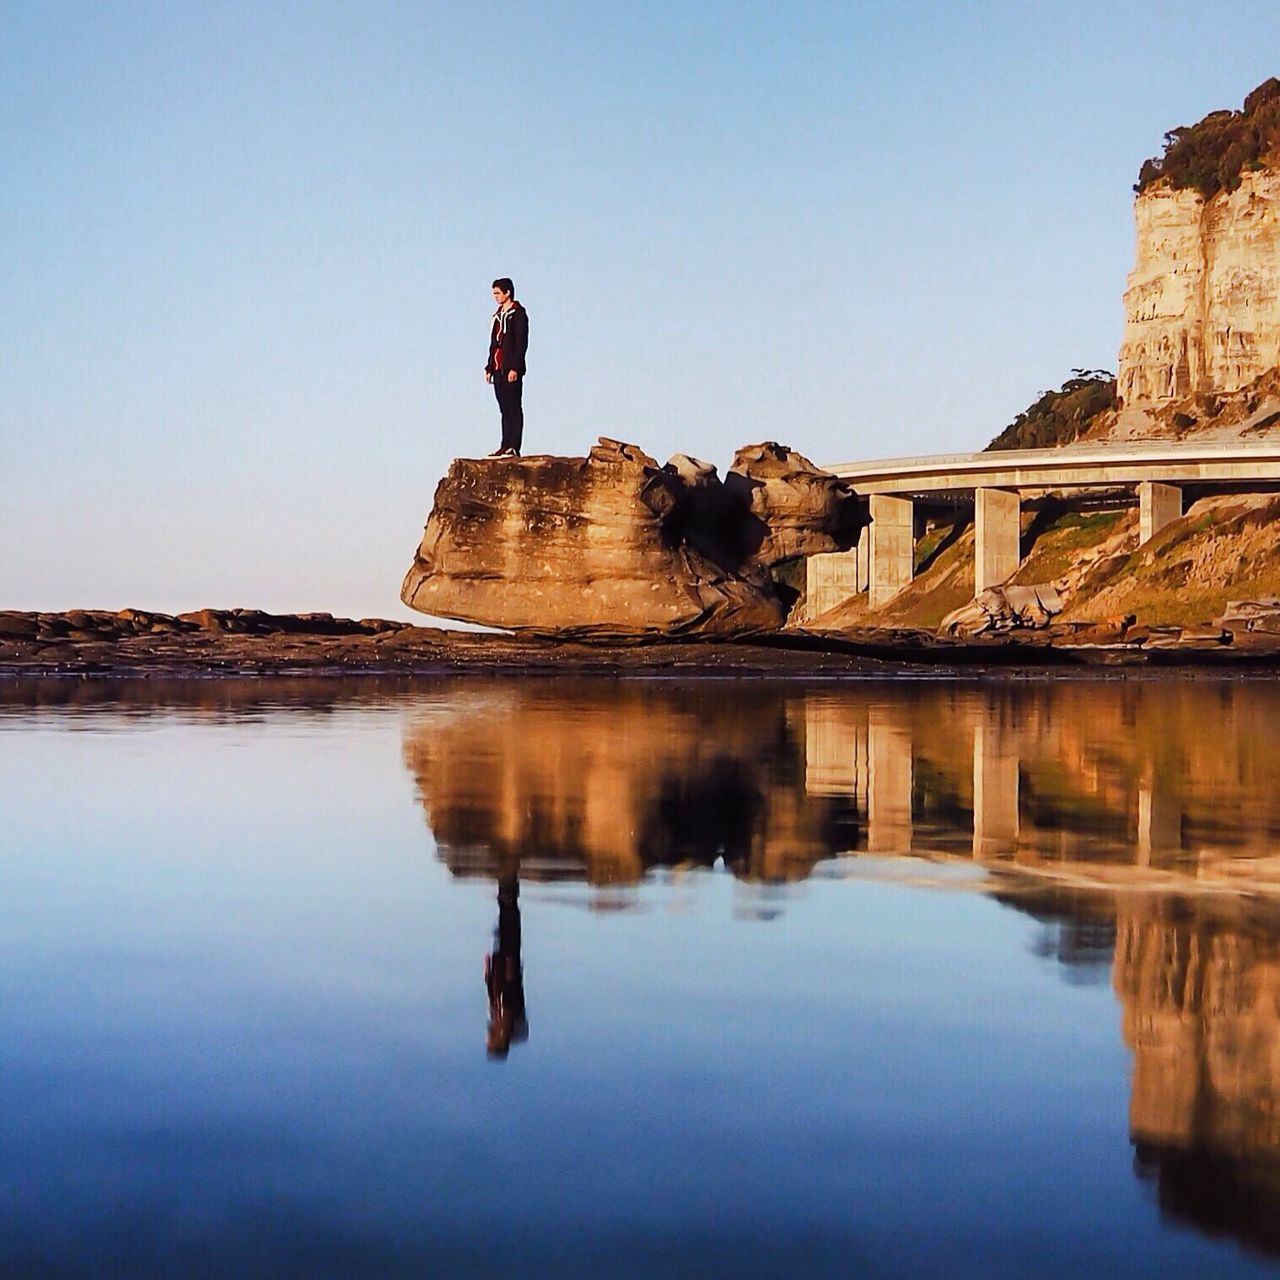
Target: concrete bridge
(1162, 477)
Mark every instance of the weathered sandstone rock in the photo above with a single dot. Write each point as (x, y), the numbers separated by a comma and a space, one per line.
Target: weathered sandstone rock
(614, 544)
(1246, 616)
(796, 509)
(1004, 608)
(1203, 302)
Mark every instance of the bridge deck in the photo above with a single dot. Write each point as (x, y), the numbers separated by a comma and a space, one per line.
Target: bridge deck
(998, 482)
(1230, 463)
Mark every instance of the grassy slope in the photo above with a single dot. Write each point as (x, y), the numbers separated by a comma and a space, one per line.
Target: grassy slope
(1223, 549)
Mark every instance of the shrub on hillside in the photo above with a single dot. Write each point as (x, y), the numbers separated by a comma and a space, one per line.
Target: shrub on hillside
(1059, 417)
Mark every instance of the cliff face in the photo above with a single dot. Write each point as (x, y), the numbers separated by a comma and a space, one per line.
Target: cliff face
(1202, 307)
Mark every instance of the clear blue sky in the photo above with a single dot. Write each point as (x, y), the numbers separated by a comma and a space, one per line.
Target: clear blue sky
(244, 284)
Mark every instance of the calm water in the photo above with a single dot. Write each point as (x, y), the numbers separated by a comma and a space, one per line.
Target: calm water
(309, 979)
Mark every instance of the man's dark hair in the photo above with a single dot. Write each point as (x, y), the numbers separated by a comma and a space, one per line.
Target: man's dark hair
(505, 284)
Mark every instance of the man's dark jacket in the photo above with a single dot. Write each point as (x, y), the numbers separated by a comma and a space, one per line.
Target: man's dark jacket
(508, 341)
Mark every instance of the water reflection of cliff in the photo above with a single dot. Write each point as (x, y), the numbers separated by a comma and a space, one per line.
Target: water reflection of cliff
(1198, 980)
(1105, 810)
(1200, 985)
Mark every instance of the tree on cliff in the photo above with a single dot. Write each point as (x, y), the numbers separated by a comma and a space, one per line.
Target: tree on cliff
(1059, 417)
(1211, 156)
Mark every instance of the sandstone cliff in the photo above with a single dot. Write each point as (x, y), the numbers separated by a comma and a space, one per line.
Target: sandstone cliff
(614, 544)
(1200, 362)
(1202, 308)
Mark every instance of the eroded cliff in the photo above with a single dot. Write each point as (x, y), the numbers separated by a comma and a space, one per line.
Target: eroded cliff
(1202, 307)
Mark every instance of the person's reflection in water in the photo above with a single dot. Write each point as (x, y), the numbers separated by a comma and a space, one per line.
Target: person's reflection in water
(504, 975)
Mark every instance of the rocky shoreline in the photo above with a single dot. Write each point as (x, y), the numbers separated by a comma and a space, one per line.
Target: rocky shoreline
(249, 642)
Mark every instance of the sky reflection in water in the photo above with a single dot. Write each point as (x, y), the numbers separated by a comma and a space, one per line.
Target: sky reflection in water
(882, 979)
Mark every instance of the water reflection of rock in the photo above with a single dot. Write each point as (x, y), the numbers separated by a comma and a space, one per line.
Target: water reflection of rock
(615, 779)
(1141, 783)
(603, 781)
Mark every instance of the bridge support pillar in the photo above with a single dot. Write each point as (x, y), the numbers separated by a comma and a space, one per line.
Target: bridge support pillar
(997, 533)
(893, 547)
(834, 578)
(1158, 505)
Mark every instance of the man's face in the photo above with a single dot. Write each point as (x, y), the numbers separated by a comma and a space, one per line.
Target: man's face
(501, 296)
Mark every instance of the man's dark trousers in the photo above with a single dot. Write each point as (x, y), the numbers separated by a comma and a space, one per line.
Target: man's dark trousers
(510, 404)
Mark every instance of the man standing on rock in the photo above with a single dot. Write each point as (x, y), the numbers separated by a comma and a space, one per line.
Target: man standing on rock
(508, 342)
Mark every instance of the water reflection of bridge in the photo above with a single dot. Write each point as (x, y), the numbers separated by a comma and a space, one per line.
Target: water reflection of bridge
(1064, 791)
(1174, 781)
(1183, 782)
(916, 802)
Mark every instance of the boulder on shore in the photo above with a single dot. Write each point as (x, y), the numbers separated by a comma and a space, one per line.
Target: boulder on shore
(1006, 608)
(614, 544)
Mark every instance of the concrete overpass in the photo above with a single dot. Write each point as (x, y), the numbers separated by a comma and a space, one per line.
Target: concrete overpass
(900, 490)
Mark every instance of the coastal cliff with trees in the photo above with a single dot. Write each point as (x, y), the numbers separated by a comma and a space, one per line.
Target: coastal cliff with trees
(1199, 363)
(1200, 357)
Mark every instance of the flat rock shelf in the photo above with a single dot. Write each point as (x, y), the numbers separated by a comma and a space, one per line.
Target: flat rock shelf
(240, 642)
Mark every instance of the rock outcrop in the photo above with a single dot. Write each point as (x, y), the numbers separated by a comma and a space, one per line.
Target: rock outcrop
(1006, 608)
(1251, 617)
(1202, 307)
(106, 627)
(614, 544)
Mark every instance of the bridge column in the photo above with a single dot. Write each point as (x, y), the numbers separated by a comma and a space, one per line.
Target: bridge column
(997, 535)
(1158, 505)
(833, 578)
(893, 548)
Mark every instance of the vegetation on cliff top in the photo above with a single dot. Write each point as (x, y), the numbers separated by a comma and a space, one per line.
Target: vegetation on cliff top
(1059, 417)
(1211, 156)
